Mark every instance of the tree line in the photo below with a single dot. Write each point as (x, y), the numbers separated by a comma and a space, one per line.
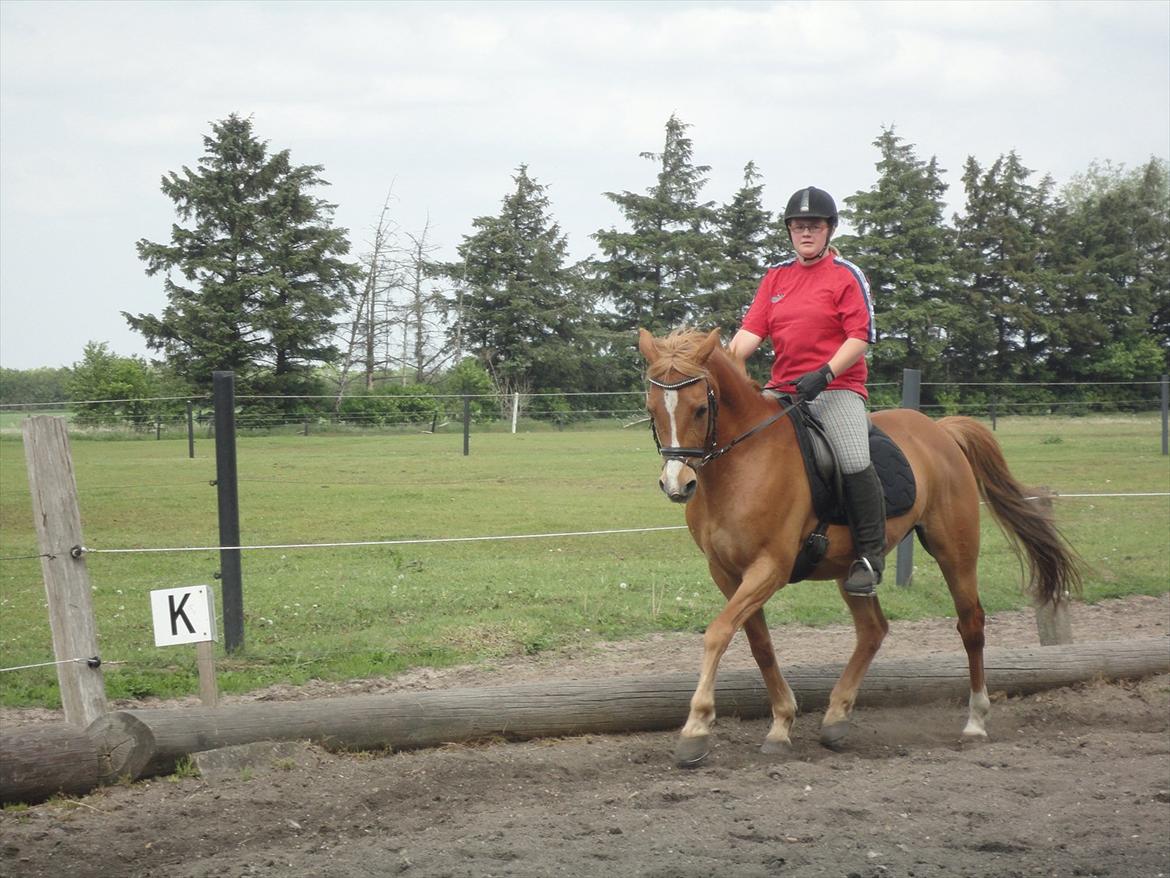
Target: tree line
(1027, 283)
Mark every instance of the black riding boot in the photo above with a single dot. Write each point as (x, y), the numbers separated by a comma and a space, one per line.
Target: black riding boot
(866, 506)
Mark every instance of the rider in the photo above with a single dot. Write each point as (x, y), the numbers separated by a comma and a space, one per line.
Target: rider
(817, 311)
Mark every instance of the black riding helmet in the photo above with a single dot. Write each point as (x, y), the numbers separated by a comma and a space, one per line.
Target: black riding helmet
(812, 203)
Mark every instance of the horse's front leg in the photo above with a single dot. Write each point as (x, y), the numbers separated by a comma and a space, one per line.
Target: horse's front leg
(780, 695)
(744, 603)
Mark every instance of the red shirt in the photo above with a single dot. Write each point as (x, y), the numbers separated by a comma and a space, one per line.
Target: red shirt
(808, 311)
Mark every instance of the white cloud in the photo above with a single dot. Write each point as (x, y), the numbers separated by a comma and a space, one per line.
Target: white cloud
(98, 100)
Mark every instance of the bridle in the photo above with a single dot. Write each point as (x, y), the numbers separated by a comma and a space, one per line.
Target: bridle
(695, 458)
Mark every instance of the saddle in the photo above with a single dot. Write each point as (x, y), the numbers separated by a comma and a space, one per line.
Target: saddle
(824, 480)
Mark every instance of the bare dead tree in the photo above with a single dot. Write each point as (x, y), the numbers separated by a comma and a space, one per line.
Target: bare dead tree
(380, 271)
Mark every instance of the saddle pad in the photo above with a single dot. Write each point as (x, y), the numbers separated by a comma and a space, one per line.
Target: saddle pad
(891, 465)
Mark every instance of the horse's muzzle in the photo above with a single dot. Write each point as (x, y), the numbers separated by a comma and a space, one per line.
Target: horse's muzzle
(678, 481)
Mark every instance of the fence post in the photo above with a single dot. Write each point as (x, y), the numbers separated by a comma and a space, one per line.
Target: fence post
(515, 410)
(993, 413)
(1053, 619)
(190, 430)
(1166, 414)
(466, 425)
(57, 518)
(911, 399)
(227, 491)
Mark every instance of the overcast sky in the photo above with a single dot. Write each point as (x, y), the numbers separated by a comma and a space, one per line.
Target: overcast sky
(442, 101)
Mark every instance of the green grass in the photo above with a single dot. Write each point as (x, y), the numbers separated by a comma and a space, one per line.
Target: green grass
(338, 613)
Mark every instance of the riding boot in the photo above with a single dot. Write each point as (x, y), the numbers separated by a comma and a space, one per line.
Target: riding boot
(865, 505)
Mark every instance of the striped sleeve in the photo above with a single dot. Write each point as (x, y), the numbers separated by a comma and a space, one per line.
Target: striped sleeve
(854, 326)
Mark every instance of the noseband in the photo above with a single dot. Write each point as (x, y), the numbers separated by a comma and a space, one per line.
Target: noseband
(697, 457)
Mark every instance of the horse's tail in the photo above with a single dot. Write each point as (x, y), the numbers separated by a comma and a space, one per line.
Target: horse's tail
(1054, 568)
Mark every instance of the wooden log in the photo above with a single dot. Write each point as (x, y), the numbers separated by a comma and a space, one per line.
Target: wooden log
(37, 762)
(133, 744)
(140, 743)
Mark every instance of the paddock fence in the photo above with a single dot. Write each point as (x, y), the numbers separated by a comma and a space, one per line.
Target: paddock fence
(410, 411)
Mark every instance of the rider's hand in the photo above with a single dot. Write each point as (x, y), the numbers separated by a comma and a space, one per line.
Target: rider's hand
(809, 385)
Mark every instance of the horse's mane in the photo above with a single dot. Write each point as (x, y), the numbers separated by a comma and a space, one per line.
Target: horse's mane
(678, 351)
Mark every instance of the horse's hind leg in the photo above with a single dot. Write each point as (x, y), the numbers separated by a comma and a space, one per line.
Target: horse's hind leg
(956, 549)
(870, 625)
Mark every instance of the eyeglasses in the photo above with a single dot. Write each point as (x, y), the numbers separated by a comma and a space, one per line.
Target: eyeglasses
(808, 227)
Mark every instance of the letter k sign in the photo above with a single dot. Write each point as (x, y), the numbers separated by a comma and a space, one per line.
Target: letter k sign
(183, 615)
(178, 613)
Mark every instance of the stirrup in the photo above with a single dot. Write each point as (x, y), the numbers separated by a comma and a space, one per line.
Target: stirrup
(863, 579)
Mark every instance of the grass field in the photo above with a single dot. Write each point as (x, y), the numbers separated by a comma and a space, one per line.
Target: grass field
(339, 613)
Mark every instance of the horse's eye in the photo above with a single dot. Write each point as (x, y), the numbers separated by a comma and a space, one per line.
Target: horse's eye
(701, 412)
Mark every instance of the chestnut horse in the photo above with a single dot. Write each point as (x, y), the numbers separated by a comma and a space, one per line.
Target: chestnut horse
(732, 457)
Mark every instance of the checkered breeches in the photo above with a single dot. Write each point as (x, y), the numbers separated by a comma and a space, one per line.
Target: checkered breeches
(847, 425)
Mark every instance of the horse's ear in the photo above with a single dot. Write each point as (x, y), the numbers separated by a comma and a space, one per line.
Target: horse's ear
(647, 346)
(709, 344)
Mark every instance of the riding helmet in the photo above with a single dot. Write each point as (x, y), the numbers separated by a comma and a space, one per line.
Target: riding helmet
(811, 202)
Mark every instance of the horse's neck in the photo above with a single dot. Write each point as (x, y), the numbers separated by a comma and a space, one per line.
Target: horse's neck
(740, 399)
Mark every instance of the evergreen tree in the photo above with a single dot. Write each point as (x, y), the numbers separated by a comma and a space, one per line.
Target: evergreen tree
(521, 311)
(907, 254)
(745, 236)
(654, 275)
(1111, 240)
(1005, 273)
(255, 276)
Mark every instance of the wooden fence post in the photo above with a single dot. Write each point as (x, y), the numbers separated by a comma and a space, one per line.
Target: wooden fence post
(57, 518)
(1053, 620)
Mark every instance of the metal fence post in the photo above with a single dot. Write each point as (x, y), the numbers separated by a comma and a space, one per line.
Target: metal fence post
(1166, 414)
(190, 430)
(466, 425)
(227, 488)
(911, 399)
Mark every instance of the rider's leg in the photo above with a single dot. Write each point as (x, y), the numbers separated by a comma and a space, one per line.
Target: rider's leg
(847, 426)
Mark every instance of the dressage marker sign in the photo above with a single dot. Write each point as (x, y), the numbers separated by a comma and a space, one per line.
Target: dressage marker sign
(183, 615)
(187, 615)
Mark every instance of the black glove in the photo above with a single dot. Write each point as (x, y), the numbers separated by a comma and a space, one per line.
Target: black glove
(809, 385)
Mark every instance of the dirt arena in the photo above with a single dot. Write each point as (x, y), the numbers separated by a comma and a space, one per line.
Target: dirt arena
(1074, 782)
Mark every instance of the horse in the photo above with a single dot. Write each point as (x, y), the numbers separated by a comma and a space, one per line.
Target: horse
(731, 455)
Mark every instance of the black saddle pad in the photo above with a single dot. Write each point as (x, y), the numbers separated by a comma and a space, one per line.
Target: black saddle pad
(893, 469)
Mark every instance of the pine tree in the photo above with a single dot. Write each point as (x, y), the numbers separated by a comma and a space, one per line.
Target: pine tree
(255, 276)
(521, 312)
(655, 274)
(906, 252)
(1111, 238)
(745, 235)
(1005, 271)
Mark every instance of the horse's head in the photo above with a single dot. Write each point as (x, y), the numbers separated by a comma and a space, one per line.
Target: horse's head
(681, 401)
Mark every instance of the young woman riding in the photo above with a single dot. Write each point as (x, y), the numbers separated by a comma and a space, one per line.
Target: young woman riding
(817, 311)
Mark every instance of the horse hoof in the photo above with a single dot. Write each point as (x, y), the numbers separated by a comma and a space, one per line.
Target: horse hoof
(775, 748)
(833, 736)
(691, 751)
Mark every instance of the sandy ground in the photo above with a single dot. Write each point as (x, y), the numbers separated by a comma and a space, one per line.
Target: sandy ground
(1073, 782)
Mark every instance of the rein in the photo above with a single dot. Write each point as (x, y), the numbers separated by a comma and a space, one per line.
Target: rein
(709, 451)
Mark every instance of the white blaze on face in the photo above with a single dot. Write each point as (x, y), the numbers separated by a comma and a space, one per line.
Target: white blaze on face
(673, 468)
